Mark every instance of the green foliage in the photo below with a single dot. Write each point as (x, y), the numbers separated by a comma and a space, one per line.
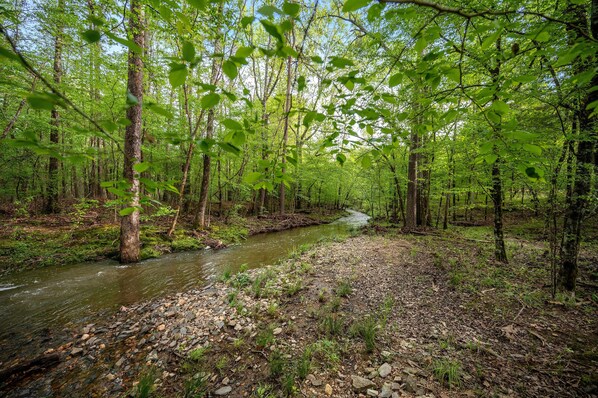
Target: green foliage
(343, 289)
(448, 371)
(367, 329)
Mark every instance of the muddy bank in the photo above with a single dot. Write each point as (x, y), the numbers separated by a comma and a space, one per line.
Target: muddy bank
(27, 243)
(374, 315)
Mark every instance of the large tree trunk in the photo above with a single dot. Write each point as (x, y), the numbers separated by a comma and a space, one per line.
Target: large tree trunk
(129, 228)
(500, 254)
(52, 194)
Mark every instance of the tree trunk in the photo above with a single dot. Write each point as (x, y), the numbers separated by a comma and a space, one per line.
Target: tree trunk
(411, 211)
(584, 157)
(200, 216)
(285, 137)
(129, 227)
(52, 193)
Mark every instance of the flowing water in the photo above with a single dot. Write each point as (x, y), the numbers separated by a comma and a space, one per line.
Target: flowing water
(38, 306)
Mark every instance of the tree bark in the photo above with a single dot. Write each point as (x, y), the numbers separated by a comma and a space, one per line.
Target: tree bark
(584, 157)
(129, 227)
(411, 211)
(52, 193)
(285, 137)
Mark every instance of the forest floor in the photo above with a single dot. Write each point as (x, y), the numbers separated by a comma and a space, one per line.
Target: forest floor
(93, 235)
(378, 314)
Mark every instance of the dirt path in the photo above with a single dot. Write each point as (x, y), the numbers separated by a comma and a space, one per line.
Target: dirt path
(303, 327)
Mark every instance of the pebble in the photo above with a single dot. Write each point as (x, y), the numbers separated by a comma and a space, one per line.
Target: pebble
(361, 383)
(328, 389)
(85, 337)
(386, 391)
(384, 370)
(277, 331)
(223, 390)
(76, 351)
(372, 393)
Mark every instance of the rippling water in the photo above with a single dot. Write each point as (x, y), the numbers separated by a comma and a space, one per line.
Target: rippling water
(35, 306)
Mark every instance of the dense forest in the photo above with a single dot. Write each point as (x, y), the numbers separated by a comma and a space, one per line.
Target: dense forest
(187, 116)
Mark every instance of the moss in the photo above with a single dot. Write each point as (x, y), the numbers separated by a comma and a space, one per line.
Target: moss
(185, 243)
(149, 252)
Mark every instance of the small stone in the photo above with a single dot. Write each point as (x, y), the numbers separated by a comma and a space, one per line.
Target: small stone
(361, 383)
(85, 337)
(223, 390)
(76, 351)
(386, 391)
(384, 370)
(110, 376)
(314, 382)
(277, 331)
(225, 381)
(410, 384)
(120, 362)
(372, 393)
(328, 389)
(161, 327)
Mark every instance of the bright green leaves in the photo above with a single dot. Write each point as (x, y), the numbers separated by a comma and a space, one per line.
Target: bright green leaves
(454, 75)
(44, 101)
(491, 40)
(91, 36)
(230, 69)
(500, 107)
(420, 44)
(244, 52)
(395, 80)
(157, 109)
(127, 43)
(301, 83)
(253, 177)
(341, 158)
(291, 9)
(354, 5)
(340, 62)
(232, 124)
(246, 21)
(127, 211)
(210, 100)
(198, 4)
(141, 167)
(273, 30)
(188, 52)
(177, 74)
(269, 11)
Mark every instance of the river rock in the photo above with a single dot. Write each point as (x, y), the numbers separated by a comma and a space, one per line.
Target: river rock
(277, 331)
(384, 370)
(361, 383)
(328, 389)
(386, 391)
(372, 393)
(223, 390)
(76, 351)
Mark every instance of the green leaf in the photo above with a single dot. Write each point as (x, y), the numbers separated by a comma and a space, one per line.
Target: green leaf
(500, 107)
(341, 158)
(366, 162)
(198, 4)
(230, 148)
(491, 158)
(177, 74)
(141, 167)
(354, 5)
(6, 53)
(292, 160)
(269, 11)
(524, 78)
(238, 138)
(131, 99)
(273, 30)
(490, 40)
(188, 52)
(543, 37)
(244, 52)
(395, 80)
(157, 109)
(91, 36)
(245, 21)
(454, 74)
(127, 43)
(317, 59)
(127, 211)
(420, 44)
(42, 101)
(536, 150)
(210, 100)
(230, 69)
(291, 9)
(340, 62)
(232, 124)
(533, 173)
(253, 177)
